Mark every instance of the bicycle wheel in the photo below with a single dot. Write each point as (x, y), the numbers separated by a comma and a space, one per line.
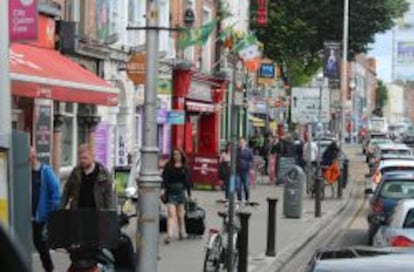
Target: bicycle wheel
(213, 254)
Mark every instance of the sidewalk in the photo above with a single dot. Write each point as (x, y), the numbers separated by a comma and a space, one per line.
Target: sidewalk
(292, 234)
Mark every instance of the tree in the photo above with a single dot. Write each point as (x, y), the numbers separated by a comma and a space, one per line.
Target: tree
(297, 30)
(381, 94)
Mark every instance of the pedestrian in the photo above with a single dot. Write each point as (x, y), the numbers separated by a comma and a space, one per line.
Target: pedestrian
(176, 182)
(45, 199)
(331, 154)
(245, 159)
(310, 153)
(89, 185)
(224, 169)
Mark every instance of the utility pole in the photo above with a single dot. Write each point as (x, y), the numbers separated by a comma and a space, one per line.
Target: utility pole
(149, 181)
(344, 76)
(318, 179)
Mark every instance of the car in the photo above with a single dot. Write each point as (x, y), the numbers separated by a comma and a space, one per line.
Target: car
(370, 136)
(398, 231)
(373, 144)
(361, 259)
(401, 165)
(389, 149)
(394, 186)
(390, 157)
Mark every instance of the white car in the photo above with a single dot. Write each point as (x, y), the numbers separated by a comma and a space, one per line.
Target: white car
(399, 230)
(390, 165)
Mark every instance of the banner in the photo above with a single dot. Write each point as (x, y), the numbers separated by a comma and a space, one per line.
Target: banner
(405, 52)
(42, 129)
(196, 36)
(332, 60)
(22, 20)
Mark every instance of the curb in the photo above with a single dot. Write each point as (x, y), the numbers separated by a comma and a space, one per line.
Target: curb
(283, 257)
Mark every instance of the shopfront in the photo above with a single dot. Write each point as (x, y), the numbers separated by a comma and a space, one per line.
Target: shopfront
(199, 135)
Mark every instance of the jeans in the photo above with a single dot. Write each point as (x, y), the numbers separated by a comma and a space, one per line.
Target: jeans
(40, 243)
(243, 184)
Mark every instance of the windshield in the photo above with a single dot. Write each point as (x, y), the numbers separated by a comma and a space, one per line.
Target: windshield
(381, 141)
(398, 189)
(396, 168)
(396, 151)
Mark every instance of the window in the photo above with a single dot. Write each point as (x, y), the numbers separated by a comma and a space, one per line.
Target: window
(409, 220)
(206, 50)
(397, 189)
(69, 132)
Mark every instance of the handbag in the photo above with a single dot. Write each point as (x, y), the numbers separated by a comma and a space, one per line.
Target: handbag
(224, 170)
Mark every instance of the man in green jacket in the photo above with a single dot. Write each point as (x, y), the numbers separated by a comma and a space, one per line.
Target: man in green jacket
(89, 185)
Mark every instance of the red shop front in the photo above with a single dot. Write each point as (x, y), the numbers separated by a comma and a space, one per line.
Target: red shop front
(200, 97)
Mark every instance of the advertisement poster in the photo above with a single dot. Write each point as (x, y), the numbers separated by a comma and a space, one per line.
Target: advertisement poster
(405, 52)
(43, 129)
(176, 117)
(102, 144)
(332, 60)
(23, 20)
(121, 147)
(4, 209)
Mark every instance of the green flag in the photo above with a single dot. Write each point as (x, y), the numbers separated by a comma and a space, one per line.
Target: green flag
(196, 36)
(225, 33)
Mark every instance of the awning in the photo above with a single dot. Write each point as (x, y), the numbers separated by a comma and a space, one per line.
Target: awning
(42, 72)
(200, 107)
(257, 122)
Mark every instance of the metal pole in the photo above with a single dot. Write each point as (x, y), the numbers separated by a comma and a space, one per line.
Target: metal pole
(344, 77)
(243, 242)
(149, 181)
(318, 180)
(5, 106)
(310, 177)
(271, 227)
(233, 169)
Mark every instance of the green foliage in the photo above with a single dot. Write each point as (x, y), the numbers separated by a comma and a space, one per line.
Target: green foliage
(297, 29)
(381, 94)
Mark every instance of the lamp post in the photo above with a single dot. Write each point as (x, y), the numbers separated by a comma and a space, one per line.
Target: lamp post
(344, 76)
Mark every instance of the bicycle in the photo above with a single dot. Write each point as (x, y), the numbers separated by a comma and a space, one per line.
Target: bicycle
(217, 247)
(217, 243)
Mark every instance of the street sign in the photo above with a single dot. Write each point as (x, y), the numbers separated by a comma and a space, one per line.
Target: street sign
(239, 76)
(305, 103)
(135, 68)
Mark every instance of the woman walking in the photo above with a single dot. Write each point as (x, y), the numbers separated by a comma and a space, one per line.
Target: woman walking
(176, 181)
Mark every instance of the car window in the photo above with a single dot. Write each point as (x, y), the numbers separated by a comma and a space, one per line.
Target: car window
(397, 168)
(395, 152)
(409, 219)
(397, 189)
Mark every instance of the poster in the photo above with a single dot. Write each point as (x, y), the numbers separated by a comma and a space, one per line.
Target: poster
(42, 130)
(4, 209)
(121, 158)
(332, 60)
(102, 144)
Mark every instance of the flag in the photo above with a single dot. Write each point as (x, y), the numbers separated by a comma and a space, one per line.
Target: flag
(248, 48)
(226, 33)
(196, 36)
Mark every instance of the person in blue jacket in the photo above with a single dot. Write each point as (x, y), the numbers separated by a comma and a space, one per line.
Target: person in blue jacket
(45, 199)
(245, 159)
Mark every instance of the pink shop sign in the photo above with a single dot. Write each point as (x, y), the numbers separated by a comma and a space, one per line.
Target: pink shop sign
(23, 20)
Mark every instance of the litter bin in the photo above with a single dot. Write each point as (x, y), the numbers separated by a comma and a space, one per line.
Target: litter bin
(294, 192)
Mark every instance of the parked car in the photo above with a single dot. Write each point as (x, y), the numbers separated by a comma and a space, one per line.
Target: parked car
(390, 166)
(370, 136)
(390, 157)
(361, 259)
(398, 231)
(389, 149)
(394, 186)
(373, 144)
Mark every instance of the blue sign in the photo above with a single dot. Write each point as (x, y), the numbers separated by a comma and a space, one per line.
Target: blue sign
(267, 70)
(176, 117)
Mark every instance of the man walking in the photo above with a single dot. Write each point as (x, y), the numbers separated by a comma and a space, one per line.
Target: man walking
(45, 199)
(89, 185)
(245, 160)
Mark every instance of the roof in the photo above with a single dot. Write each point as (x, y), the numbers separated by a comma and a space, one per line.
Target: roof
(394, 146)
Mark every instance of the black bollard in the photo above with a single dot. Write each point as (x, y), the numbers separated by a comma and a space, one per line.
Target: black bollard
(318, 195)
(271, 227)
(243, 242)
(340, 183)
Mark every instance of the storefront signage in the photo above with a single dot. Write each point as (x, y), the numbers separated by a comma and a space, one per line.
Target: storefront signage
(136, 68)
(121, 148)
(164, 87)
(23, 20)
(200, 91)
(102, 141)
(267, 73)
(176, 117)
(43, 129)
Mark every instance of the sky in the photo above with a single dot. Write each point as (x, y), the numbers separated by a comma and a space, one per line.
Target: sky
(382, 51)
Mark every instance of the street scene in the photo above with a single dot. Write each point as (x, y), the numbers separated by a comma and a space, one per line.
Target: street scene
(206, 135)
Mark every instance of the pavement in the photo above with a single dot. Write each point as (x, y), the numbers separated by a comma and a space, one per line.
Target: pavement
(292, 234)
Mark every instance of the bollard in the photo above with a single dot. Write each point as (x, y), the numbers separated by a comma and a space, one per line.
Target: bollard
(271, 227)
(318, 188)
(340, 183)
(243, 242)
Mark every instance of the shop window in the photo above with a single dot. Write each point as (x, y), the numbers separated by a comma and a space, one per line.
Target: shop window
(69, 132)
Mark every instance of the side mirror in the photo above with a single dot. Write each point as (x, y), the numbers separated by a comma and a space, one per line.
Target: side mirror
(368, 191)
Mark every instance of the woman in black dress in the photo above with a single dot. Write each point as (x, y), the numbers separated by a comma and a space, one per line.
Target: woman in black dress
(176, 182)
